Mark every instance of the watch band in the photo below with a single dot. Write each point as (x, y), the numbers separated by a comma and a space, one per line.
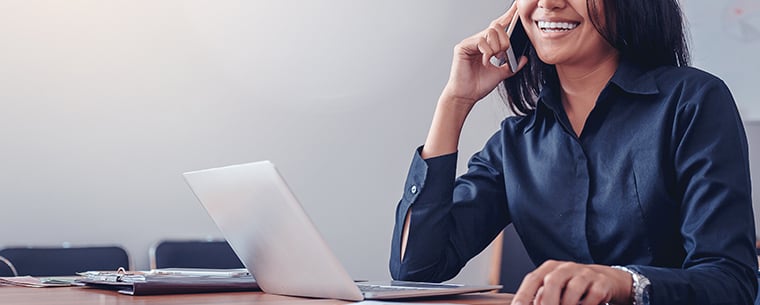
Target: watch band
(640, 288)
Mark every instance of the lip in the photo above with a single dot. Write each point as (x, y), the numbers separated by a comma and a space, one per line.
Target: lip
(555, 20)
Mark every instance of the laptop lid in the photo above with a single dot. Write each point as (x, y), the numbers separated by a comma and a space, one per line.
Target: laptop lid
(270, 232)
(275, 239)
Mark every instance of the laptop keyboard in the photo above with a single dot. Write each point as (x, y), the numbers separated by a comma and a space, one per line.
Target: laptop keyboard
(378, 288)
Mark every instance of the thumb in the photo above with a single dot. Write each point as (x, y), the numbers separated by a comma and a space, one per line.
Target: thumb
(507, 71)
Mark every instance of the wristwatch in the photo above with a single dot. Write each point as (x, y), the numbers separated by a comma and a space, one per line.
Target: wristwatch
(641, 286)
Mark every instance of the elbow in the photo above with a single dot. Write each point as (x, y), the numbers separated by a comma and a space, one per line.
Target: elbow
(400, 272)
(399, 269)
(434, 273)
(746, 280)
(751, 288)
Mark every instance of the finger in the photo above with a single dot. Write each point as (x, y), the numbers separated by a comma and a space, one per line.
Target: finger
(496, 35)
(554, 284)
(506, 70)
(486, 50)
(597, 293)
(500, 43)
(539, 299)
(531, 283)
(575, 289)
(528, 289)
(504, 19)
(469, 46)
(503, 36)
(520, 64)
(493, 40)
(539, 296)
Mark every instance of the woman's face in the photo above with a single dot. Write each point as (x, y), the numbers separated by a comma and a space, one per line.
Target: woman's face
(562, 32)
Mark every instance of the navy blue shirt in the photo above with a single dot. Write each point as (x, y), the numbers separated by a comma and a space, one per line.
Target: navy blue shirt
(658, 181)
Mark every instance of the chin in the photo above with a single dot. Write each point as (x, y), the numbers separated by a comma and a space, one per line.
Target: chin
(550, 59)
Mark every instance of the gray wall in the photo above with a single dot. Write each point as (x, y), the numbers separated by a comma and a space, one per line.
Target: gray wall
(725, 40)
(106, 103)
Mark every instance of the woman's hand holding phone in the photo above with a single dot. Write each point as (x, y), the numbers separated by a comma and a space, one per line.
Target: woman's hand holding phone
(473, 75)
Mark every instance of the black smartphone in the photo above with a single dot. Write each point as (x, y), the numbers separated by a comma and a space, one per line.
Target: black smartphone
(518, 44)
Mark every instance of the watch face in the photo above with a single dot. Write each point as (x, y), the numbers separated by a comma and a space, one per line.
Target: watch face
(644, 289)
(645, 296)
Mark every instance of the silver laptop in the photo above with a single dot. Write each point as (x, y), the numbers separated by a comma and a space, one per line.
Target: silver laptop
(275, 239)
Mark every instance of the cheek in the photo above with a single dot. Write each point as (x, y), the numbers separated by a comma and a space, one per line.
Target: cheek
(525, 8)
(523, 5)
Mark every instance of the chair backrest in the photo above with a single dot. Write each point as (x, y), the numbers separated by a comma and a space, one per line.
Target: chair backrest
(511, 261)
(7, 268)
(194, 254)
(53, 261)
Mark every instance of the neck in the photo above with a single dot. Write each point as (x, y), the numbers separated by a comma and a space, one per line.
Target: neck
(581, 85)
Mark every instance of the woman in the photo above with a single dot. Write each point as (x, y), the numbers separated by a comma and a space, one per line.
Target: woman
(624, 171)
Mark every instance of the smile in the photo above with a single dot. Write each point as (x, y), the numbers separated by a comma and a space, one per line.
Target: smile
(547, 26)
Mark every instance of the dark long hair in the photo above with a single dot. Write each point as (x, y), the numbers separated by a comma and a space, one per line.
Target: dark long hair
(648, 33)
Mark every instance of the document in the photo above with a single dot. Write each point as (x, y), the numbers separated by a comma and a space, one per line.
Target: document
(34, 282)
(154, 283)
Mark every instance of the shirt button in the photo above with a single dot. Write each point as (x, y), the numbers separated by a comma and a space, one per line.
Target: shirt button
(413, 189)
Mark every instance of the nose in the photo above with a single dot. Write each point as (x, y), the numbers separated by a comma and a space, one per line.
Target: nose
(552, 4)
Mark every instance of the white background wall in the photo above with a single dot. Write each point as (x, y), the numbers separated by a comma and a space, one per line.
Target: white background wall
(726, 41)
(106, 103)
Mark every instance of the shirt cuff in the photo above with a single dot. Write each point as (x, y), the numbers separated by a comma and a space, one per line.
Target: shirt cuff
(430, 180)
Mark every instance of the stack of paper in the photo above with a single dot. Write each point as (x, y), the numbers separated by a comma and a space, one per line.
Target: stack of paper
(153, 283)
(28, 281)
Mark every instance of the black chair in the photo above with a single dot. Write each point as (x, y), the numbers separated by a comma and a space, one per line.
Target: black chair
(757, 298)
(757, 273)
(513, 261)
(52, 261)
(194, 254)
(7, 268)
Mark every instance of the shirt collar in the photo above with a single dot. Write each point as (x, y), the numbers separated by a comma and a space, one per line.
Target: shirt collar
(629, 77)
(634, 79)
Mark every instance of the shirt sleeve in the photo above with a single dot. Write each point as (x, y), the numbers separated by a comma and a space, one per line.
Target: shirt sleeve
(717, 226)
(452, 219)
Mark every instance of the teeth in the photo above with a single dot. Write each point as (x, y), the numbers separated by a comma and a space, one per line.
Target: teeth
(556, 26)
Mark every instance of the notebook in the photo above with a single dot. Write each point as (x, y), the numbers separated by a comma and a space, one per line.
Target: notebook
(143, 283)
(278, 243)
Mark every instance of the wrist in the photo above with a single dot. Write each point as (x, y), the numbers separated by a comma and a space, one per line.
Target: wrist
(448, 120)
(456, 103)
(640, 287)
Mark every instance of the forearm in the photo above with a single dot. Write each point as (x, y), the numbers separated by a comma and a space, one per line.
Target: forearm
(721, 282)
(422, 219)
(405, 233)
(445, 224)
(449, 117)
(443, 139)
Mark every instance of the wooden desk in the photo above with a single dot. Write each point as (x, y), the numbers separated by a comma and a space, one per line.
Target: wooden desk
(78, 296)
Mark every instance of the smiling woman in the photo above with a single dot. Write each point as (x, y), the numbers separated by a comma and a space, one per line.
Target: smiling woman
(625, 172)
(639, 34)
